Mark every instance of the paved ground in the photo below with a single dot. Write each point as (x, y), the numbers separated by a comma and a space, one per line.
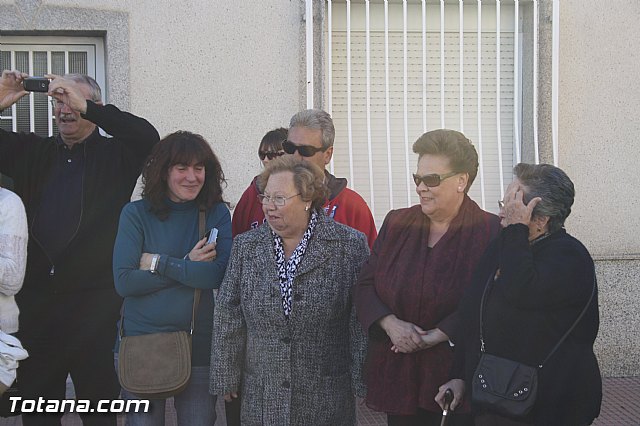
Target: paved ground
(620, 407)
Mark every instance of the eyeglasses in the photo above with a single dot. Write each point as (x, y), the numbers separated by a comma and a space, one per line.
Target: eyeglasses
(304, 150)
(278, 200)
(432, 180)
(270, 154)
(55, 103)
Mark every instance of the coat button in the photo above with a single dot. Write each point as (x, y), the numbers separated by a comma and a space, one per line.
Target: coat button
(286, 384)
(286, 340)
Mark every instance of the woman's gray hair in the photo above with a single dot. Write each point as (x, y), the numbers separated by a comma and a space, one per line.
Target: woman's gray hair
(316, 119)
(307, 178)
(94, 87)
(554, 188)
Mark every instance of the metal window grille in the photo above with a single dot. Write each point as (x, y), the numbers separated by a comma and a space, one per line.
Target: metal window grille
(395, 69)
(37, 56)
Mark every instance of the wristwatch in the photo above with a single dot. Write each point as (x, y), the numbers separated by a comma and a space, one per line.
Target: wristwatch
(154, 264)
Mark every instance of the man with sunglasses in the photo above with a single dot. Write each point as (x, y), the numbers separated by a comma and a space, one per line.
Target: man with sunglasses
(311, 136)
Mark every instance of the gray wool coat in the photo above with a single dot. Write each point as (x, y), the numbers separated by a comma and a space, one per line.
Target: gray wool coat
(304, 370)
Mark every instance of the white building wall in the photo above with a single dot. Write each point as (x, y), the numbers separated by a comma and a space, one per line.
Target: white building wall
(599, 105)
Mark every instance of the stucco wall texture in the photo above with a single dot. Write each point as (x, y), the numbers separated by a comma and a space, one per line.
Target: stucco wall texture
(599, 124)
(599, 101)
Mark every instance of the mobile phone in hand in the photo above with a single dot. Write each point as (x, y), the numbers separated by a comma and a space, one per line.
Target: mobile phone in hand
(36, 84)
(211, 235)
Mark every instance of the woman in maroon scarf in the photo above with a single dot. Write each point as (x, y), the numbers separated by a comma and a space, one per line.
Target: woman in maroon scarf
(409, 289)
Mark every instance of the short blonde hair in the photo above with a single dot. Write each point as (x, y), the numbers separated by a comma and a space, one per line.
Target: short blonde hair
(307, 178)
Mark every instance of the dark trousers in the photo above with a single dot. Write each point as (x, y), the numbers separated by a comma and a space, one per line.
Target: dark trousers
(232, 411)
(428, 418)
(74, 336)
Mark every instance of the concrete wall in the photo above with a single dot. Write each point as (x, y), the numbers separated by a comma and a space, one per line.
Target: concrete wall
(599, 105)
(229, 70)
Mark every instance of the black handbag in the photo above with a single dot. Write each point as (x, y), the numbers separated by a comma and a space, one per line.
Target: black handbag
(508, 387)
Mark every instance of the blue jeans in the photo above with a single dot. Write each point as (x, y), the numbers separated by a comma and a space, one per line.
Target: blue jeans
(194, 405)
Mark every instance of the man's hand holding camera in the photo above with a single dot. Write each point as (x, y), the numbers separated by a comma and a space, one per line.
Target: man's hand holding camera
(64, 90)
(11, 89)
(67, 91)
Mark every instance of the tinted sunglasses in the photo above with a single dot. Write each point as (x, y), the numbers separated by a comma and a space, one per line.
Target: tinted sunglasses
(304, 150)
(270, 154)
(432, 179)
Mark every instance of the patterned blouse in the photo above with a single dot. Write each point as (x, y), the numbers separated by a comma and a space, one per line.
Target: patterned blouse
(287, 268)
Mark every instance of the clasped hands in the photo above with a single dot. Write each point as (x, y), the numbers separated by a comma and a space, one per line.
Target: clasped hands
(407, 337)
(201, 252)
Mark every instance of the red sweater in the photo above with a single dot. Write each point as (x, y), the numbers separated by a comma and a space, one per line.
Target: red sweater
(344, 206)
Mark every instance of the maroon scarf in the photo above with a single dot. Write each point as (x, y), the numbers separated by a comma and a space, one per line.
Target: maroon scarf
(421, 285)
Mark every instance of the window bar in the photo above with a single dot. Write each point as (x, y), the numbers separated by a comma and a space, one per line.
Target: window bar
(405, 95)
(535, 82)
(498, 100)
(387, 102)
(309, 47)
(516, 80)
(461, 37)
(14, 112)
(49, 109)
(480, 157)
(555, 55)
(349, 112)
(372, 203)
(330, 66)
(442, 59)
(424, 66)
(32, 113)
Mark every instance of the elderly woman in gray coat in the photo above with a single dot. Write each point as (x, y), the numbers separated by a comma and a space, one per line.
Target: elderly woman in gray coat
(285, 333)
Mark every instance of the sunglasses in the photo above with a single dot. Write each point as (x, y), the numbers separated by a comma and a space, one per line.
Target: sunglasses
(432, 180)
(270, 154)
(304, 150)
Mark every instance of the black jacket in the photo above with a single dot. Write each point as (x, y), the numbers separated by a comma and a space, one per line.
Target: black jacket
(112, 166)
(539, 293)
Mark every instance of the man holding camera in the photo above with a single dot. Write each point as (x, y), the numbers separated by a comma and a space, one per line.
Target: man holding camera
(73, 186)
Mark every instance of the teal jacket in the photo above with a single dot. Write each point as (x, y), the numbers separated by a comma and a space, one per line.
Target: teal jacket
(163, 302)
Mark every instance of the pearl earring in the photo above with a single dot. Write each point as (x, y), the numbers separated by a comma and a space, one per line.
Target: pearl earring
(306, 208)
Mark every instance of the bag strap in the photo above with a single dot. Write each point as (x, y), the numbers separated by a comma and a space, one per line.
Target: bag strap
(584, 311)
(562, 339)
(196, 294)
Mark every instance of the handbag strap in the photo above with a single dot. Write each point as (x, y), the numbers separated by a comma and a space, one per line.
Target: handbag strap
(196, 294)
(562, 339)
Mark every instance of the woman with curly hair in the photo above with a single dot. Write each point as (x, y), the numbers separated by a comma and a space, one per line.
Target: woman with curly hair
(160, 259)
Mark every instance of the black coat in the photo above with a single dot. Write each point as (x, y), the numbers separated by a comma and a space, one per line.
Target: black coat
(111, 168)
(540, 291)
